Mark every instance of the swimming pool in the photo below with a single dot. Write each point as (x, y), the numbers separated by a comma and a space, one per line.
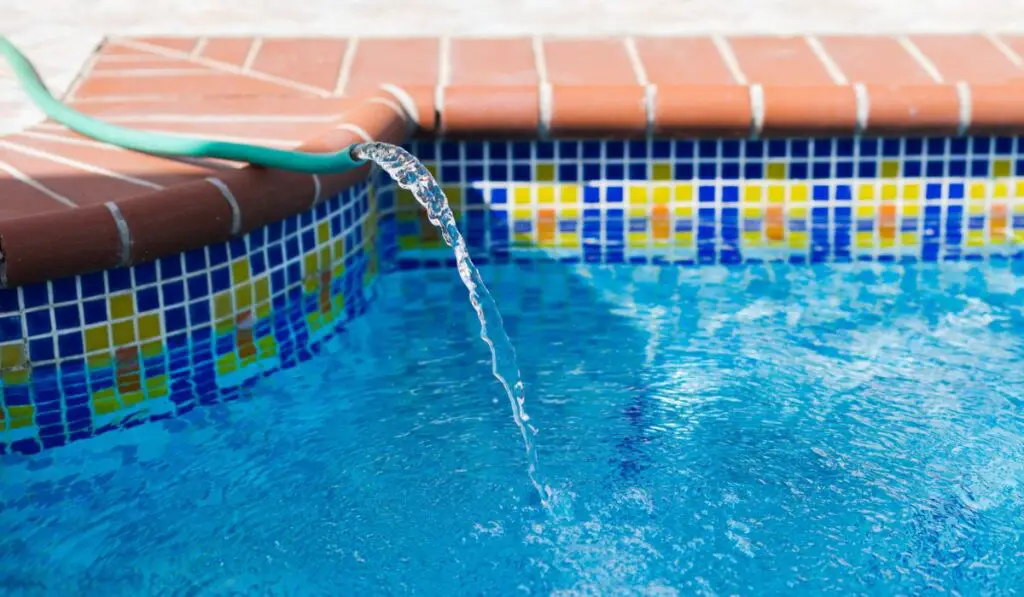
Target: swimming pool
(763, 429)
(754, 366)
(765, 294)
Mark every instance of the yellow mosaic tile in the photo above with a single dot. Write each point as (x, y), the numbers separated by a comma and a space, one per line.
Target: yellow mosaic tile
(12, 355)
(661, 194)
(752, 193)
(638, 194)
(684, 193)
(569, 193)
(20, 416)
(546, 194)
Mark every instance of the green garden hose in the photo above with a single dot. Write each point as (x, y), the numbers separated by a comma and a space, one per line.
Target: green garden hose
(167, 145)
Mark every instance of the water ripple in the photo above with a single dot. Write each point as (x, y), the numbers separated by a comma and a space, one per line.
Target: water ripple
(760, 430)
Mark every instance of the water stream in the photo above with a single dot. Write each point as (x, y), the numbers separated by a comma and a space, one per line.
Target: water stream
(411, 175)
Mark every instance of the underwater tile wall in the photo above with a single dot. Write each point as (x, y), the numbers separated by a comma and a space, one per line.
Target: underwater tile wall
(93, 353)
(727, 201)
(87, 354)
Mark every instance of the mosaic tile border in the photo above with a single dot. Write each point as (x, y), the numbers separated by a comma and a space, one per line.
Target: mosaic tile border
(84, 355)
(88, 354)
(727, 201)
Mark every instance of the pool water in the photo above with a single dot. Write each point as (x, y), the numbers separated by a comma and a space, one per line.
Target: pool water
(759, 430)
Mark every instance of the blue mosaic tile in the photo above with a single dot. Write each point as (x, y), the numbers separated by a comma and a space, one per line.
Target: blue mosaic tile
(683, 202)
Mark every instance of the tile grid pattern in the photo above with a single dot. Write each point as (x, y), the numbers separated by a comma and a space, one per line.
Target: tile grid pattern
(87, 354)
(727, 201)
(93, 353)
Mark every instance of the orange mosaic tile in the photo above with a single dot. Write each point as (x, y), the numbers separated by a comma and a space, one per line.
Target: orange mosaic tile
(323, 94)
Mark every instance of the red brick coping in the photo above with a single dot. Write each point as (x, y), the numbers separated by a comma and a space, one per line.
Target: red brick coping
(69, 205)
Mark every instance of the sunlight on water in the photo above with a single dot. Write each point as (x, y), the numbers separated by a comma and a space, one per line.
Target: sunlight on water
(850, 429)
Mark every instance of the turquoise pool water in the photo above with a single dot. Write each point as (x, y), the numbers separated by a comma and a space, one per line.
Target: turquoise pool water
(760, 430)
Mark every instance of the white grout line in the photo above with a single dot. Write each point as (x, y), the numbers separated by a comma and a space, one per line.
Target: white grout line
(860, 92)
(546, 96)
(650, 91)
(539, 60)
(51, 126)
(756, 110)
(317, 188)
(198, 50)
(444, 73)
(119, 99)
(236, 211)
(21, 176)
(224, 67)
(259, 140)
(210, 163)
(393, 104)
(405, 100)
(123, 231)
(346, 66)
(45, 155)
(201, 162)
(231, 138)
(729, 57)
(222, 118)
(69, 140)
(963, 94)
(444, 61)
(87, 70)
(1007, 51)
(250, 56)
(634, 60)
(359, 131)
(129, 58)
(922, 60)
(830, 65)
(145, 73)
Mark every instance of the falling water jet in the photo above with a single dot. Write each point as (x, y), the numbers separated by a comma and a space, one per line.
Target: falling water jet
(411, 175)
